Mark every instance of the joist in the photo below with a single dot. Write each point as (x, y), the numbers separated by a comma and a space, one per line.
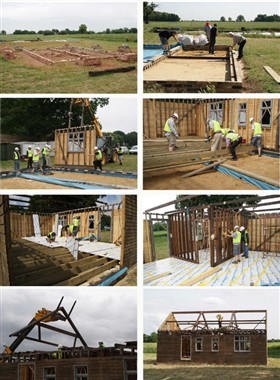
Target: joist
(152, 278)
(198, 171)
(272, 73)
(200, 277)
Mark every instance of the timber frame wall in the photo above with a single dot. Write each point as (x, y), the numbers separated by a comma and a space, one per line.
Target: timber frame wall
(83, 143)
(189, 232)
(193, 114)
(5, 244)
(189, 337)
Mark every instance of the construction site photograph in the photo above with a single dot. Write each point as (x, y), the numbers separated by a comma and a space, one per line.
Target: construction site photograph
(211, 144)
(209, 47)
(212, 240)
(205, 334)
(68, 334)
(60, 143)
(68, 240)
(84, 47)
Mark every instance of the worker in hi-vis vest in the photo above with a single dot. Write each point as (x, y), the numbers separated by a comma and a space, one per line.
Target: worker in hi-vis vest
(51, 237)
(76, 226)
(236, 240)
(216, 134)
(36, 160)
(244, 241)
(170, 131)
(97, 162)
(233, 140)
(16, 159)
(46, 156)
(29, 155)
(256, 137)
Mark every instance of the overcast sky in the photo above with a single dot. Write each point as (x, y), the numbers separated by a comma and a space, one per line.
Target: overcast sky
(120, 114)
(101, 314)
(42, 15)
(158, 303)
(214, 10)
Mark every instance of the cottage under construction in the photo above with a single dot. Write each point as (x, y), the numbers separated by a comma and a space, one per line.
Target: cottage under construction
(214, 337)
(200, 253)
(194, 150)
(76, 362)
(28, 259)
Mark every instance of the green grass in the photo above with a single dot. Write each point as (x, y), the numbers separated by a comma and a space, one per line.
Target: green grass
(19, 77)
(105, 236)
(161, 244)
(181, 371)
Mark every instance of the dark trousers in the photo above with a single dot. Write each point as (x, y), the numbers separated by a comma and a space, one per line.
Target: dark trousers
(240, 49)
(29, 162)
(212, 43)
(234, 145)
(97, 164)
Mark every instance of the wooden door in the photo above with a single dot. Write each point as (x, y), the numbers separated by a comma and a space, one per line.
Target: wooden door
(26, 371)
(186, 347)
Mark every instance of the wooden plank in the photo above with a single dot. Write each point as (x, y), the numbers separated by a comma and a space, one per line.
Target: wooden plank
(200, 277)
(152, 278)
(203, 169)
(271, 72)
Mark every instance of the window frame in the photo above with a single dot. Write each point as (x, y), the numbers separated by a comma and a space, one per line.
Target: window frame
(198, 339)
(78, 376)
(239, 342)
(242, 111)
(76, 142)
(45, 376)
(264, 108)
(216, 111)
(217, 339)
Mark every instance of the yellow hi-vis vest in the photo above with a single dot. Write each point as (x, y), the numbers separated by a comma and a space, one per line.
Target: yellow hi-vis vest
(225, 131)
(16, 156)
(98, 155)
(166, 127)
(257, 129)
(217, 126)
(71, 227)
(29, 153)
(232, 136)
(46, 152)
(237, 240)
(36, 156)
(76, 222)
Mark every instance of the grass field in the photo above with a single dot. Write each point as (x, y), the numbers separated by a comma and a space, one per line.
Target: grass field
(161, 244)
(129, 164)
(18, 76)
(181, 371)
(258, 52)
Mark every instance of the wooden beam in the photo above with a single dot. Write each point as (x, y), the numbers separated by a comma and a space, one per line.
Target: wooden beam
(152, 278)
(200, 277)
(272, 73)
(171, 203)
(203, 168)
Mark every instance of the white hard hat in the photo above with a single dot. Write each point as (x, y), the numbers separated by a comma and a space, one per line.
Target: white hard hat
(95, 148)
(16, 148)
(236, 227)
(233, 131)
(231, 33)
(38, 148)
(242, 228)
(175, 115)
(251, 119)
(47, 145)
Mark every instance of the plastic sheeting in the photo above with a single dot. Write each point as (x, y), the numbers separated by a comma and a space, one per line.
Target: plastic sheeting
(73, 246)
(36, 224)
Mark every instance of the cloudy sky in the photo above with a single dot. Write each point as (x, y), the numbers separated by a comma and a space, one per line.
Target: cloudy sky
(214, 10)
(42, 15)
(120, 114)
(100, 314)
(158, 303)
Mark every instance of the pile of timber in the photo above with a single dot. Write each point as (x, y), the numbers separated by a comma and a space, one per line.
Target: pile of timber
(38, 265)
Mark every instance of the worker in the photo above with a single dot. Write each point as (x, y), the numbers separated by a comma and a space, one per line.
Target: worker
(164, 36)
(171, 132)
(216, 134)
(46, 156)
(244, 242)
(51, 237)
(59, 351)
(29, 155)
(36, 160)
(239, 40)
(220, 320)
(76, 226)
(233, 140)
(212, 39)
(236, 240)
(97, 158)
(207, 29)
(225, 131)
(16, 160)
(256, 137)
(119, 151)
(68, 229)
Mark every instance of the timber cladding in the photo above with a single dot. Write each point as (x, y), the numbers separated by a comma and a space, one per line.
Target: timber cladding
(129, 232)
(232, 113)
(264, 232)
(5, 243)
(75, 146)
(22, 224)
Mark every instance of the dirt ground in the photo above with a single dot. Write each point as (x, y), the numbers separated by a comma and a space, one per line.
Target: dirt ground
(21, 183)
(213, 180)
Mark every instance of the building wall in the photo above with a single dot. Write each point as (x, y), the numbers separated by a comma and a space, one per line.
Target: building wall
(169, 350)
(116, 225)
(129, 231)
(264, 233)
(64, 157)
(22, 225)
(156, 112)
(5, 244)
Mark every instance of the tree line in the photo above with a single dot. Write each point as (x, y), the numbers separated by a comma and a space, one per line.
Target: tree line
(259, 18)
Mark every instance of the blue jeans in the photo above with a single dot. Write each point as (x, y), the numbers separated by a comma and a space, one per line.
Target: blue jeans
(245, 249)
(17, 165)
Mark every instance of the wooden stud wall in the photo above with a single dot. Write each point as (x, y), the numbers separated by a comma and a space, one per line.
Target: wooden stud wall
(22, 225)
(147, 246)
(117, 223)
(264, 233)
(5, 243)
(156, 112)
(84, 222)
(64, 157)
(129, 231)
